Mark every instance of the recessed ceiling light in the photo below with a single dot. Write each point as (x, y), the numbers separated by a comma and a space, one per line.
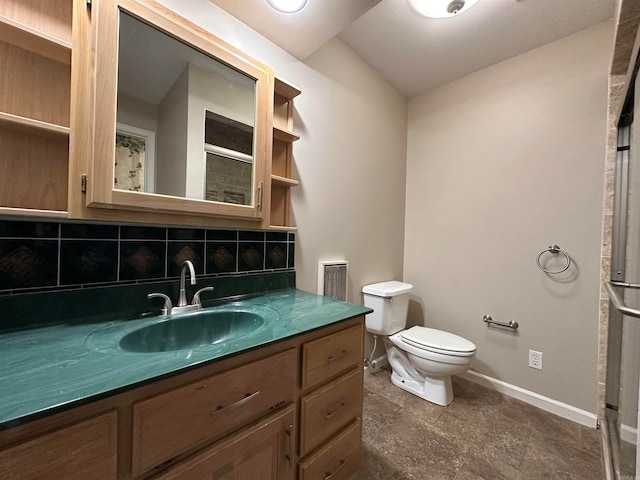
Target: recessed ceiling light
(287, 6)
(441, 8)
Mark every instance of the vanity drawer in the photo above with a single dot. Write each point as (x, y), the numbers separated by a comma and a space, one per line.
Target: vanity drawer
(338, 460)
(327, 356)
(84, 450)
(329, 409)
(171, 423)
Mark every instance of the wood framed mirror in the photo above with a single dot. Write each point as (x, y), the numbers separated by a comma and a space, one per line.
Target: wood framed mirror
(182, 119)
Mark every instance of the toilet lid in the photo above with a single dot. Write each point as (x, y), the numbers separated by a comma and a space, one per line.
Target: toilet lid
(437, 341)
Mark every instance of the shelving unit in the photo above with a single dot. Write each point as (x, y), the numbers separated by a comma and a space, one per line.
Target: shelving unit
(282, 155)
(35, 51)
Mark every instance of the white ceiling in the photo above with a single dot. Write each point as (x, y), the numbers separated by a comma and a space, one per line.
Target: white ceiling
(415, 53)
(300, 33)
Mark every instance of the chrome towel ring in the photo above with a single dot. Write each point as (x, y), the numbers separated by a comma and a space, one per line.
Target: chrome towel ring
(554, 249)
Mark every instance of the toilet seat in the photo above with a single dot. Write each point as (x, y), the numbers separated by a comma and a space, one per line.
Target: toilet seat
(437, 341)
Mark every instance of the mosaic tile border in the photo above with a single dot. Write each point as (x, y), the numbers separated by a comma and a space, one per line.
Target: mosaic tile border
(42, 256)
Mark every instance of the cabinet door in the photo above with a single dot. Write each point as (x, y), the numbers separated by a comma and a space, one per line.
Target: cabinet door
(81, 451)
(264, 451)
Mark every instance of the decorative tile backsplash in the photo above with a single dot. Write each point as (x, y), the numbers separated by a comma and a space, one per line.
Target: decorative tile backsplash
(58, 255)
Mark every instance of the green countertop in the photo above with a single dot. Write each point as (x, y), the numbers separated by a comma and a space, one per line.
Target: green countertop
(51, 369)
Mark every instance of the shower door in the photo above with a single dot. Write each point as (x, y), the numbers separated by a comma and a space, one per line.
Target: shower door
(623, 353)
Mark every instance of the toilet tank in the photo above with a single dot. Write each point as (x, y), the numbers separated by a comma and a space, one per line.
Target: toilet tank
(390, 302)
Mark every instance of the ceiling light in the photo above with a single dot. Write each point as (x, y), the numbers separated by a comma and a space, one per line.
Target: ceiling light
(440, 8)
(287, 6)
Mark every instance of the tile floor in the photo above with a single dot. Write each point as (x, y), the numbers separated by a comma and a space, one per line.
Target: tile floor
(482, 435)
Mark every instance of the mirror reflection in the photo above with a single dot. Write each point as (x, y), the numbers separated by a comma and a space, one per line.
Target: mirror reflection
(185, 121)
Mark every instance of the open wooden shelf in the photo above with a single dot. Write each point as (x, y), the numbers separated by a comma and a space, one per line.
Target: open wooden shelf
(284, 181)
(35, 41)
(286, 89)
(282, 228)
(29, 125)
(32, 212)
(35, 51)
(282, 155)
(35, 171)
(284, 135)
(280, 205)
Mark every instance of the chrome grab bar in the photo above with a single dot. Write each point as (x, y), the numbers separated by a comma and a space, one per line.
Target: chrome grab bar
(511, 324)
(618, 302)
(623, 284)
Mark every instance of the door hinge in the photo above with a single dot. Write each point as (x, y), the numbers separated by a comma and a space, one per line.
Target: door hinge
(83, 183)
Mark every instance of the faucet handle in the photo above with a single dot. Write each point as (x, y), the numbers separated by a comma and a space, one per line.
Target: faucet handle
(196, 297)
(167, 302)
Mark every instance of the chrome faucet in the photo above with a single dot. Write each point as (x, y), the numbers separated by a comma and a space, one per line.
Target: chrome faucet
(182, 295)
(182, 306)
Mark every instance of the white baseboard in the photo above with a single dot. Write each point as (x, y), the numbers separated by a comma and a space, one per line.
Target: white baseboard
(550, 405)
(629, 434)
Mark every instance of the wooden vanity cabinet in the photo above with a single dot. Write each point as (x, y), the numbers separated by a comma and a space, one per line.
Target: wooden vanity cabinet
(288, 410)
(331, 405)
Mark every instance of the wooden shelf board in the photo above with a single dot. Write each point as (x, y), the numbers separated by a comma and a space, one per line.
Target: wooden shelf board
(282, 228)
(32, 212)
(284, 181)
(29, 125)
(34, 40)
(286, 89)
(284, 135)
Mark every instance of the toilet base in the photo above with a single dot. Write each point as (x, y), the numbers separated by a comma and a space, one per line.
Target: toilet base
(436, 390)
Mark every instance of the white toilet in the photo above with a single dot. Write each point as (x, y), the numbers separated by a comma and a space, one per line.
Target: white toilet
(423, 359)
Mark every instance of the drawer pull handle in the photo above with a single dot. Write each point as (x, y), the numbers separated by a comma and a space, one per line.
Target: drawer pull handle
(289, 456)
(239, 403)
(333, 358)
(329, 475)
(331, 413)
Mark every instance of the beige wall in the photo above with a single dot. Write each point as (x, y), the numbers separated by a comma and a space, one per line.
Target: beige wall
(350, 159)
(501, 164)
(352, 205)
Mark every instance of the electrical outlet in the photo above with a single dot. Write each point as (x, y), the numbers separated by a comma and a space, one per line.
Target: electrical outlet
(535, 359)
